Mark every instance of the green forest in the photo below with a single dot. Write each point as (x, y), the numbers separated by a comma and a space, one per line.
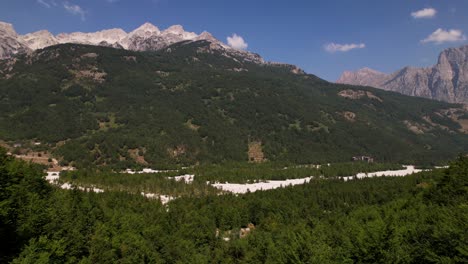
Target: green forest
(163, 183)
(92, 106)
(415, 219)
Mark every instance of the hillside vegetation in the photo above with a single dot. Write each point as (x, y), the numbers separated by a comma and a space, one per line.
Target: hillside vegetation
(187, 104)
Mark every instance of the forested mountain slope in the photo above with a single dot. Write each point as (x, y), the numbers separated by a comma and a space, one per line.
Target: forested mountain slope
(188, 103)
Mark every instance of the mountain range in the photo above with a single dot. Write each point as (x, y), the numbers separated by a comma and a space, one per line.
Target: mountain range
(446, 81)
(147, 37)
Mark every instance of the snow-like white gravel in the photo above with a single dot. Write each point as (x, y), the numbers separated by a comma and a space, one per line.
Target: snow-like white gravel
(269, 185)
(145, 170)
(163, 198)
(260, 186)
(391, 173)
(187, 178)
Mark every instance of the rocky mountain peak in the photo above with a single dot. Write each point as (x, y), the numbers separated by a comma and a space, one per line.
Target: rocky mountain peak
(41, 33)
(369, 71)
(7, 29)
(147, 29)
(177, 33)
(458, 55)
(39, 39)
(10, 43)
(205, 35)
(175, 29)
(110, 35)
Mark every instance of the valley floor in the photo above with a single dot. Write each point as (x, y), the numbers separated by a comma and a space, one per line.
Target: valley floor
(236, 188)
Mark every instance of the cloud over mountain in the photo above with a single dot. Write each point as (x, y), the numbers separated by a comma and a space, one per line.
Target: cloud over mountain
(237, 42)
(441, 36)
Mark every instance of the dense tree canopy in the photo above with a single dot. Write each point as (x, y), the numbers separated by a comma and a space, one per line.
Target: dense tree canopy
(415, 219)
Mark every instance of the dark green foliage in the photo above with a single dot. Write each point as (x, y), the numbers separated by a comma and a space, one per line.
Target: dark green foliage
(23, 198)
(454, 183)
(162, 183)
(158, 183)
(183, 107)
(415, 219)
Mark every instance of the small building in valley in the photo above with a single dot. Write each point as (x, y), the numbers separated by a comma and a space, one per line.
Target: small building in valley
(363, 158)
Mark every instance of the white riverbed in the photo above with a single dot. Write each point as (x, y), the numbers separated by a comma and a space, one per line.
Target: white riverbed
(269, 185)
(391, 173)
(259, 186)
(145, 170)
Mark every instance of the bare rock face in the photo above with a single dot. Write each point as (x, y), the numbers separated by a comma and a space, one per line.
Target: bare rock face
(409, 81)
(109, 36)
(450, 75)
(39, 39)
(133, 39)
(10, 44)
(445, 81)
(207, 36)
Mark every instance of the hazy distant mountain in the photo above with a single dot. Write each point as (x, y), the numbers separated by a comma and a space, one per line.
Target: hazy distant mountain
(364, 76)
(445, 81)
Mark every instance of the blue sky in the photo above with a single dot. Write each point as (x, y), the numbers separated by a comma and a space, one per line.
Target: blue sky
(383, 35)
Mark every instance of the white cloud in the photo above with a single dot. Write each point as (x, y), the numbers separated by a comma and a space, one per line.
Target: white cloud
(237, 42)
(424, 13)
(75, 10)
(333, 47)
(440, 36)
(47, 3)
(44, 3)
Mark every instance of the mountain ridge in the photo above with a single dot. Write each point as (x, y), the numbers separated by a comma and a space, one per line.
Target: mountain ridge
(146, 37)
(446, 81)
